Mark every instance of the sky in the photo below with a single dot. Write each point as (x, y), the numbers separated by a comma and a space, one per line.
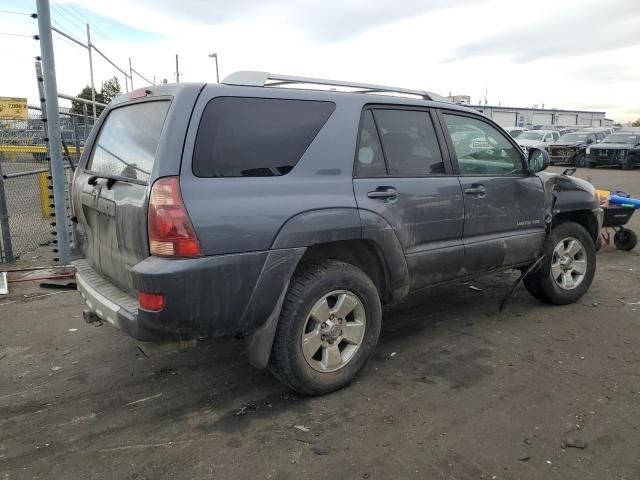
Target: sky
(569, 54)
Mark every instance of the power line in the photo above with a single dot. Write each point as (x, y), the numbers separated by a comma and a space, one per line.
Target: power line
(18, 35)
(80, 28)
(16, 13)
(98, 30)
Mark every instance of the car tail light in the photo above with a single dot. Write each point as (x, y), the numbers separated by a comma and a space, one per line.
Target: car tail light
(171, 233)
(153, 302)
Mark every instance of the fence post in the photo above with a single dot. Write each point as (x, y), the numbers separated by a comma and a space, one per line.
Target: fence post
(77, 141)
(93, 90)
(53, 123)
(6, 250)
(85, 112)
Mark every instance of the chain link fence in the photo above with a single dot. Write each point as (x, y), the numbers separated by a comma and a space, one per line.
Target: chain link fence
(24, 169)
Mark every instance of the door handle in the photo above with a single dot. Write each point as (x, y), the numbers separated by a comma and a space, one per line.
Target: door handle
(476, 189)
(383, 193)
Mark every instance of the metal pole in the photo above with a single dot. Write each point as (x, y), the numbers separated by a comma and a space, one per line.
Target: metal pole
(131, 73)
(85, 112)
(43, 106)
(93, 89)
(53, 123)
(177, 71)
(75, 137)
(6, 250)
(217, 74)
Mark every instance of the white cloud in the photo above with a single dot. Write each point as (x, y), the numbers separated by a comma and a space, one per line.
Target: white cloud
(406, 45)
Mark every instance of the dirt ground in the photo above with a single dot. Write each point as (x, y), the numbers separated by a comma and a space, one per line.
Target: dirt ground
(455, 390)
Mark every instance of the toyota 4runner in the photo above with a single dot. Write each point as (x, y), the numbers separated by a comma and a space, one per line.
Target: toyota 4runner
(291, 215)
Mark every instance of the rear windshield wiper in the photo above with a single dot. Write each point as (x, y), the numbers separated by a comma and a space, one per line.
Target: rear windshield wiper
(93, 179)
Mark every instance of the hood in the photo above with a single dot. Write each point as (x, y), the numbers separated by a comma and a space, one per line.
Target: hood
(530, 143)
(570, 144)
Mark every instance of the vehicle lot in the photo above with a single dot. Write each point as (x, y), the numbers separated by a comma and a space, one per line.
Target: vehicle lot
(455, 389)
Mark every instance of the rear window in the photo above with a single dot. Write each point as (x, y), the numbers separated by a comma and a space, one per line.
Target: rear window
(127, 143)
(256, 137)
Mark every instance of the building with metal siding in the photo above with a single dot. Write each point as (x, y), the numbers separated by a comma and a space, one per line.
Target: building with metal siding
(528, 117)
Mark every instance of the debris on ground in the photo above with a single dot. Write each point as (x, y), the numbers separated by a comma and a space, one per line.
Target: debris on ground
(524, 457)
(320, 449)
(393, 354)
(73, 330)
(245, 409)
(474, 288)
(624, 302)
(305, 437)
(302, 428)
(574, 443)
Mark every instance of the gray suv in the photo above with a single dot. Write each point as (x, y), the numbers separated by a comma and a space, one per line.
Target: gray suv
(289, 215)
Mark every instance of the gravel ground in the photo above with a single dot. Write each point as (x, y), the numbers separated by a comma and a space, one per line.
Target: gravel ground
(455, 390)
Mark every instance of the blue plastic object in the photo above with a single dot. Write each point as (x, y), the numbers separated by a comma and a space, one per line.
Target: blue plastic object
(618, 200)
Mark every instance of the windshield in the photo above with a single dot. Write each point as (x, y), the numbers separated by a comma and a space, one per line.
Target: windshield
(127, 143)
(573, 137)
(620, 138)
(532, 136)
(515, 133)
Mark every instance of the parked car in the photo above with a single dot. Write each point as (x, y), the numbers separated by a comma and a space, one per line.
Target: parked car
(515, 132)
(289, 216)
(621, 149)
(537, 139)
(571, 148)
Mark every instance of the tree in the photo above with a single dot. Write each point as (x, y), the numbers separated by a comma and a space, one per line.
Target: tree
(636, 123)
(110, 90)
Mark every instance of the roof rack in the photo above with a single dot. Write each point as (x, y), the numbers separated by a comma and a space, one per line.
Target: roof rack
(264, 79)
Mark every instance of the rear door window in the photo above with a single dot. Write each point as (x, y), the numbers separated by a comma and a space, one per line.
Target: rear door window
(409, 141)
(128, 140)
(256, 137)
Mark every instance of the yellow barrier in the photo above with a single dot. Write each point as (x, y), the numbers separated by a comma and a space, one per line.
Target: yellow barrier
(43, 185)
(31, 149)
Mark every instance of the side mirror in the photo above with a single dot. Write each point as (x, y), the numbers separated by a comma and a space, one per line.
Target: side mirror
(589, 141)
(538, 160)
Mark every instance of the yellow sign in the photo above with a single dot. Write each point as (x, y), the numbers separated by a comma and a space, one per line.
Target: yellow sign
(13, 108)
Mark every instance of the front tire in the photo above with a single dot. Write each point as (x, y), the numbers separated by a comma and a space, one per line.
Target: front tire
(569, 267)
(580, 160)
(328, 328)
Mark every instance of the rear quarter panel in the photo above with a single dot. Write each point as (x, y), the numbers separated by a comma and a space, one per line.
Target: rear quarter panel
(245, 214)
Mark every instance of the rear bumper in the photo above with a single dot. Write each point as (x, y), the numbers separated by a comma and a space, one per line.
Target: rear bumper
(210, 296)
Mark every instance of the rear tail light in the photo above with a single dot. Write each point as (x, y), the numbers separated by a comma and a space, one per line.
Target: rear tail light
(153, 302)
(171, 233)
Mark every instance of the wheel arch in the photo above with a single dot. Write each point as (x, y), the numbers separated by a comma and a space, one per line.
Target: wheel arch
(586, 218)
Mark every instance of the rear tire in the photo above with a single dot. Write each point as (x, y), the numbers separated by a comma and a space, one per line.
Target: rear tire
(314, 355)
(569, 267)
(627, 163)
(625, 239)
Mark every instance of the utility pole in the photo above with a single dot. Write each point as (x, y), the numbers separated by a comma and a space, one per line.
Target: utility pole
(93, 90)
(177, 70)
(53, 124)
(131, 73)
